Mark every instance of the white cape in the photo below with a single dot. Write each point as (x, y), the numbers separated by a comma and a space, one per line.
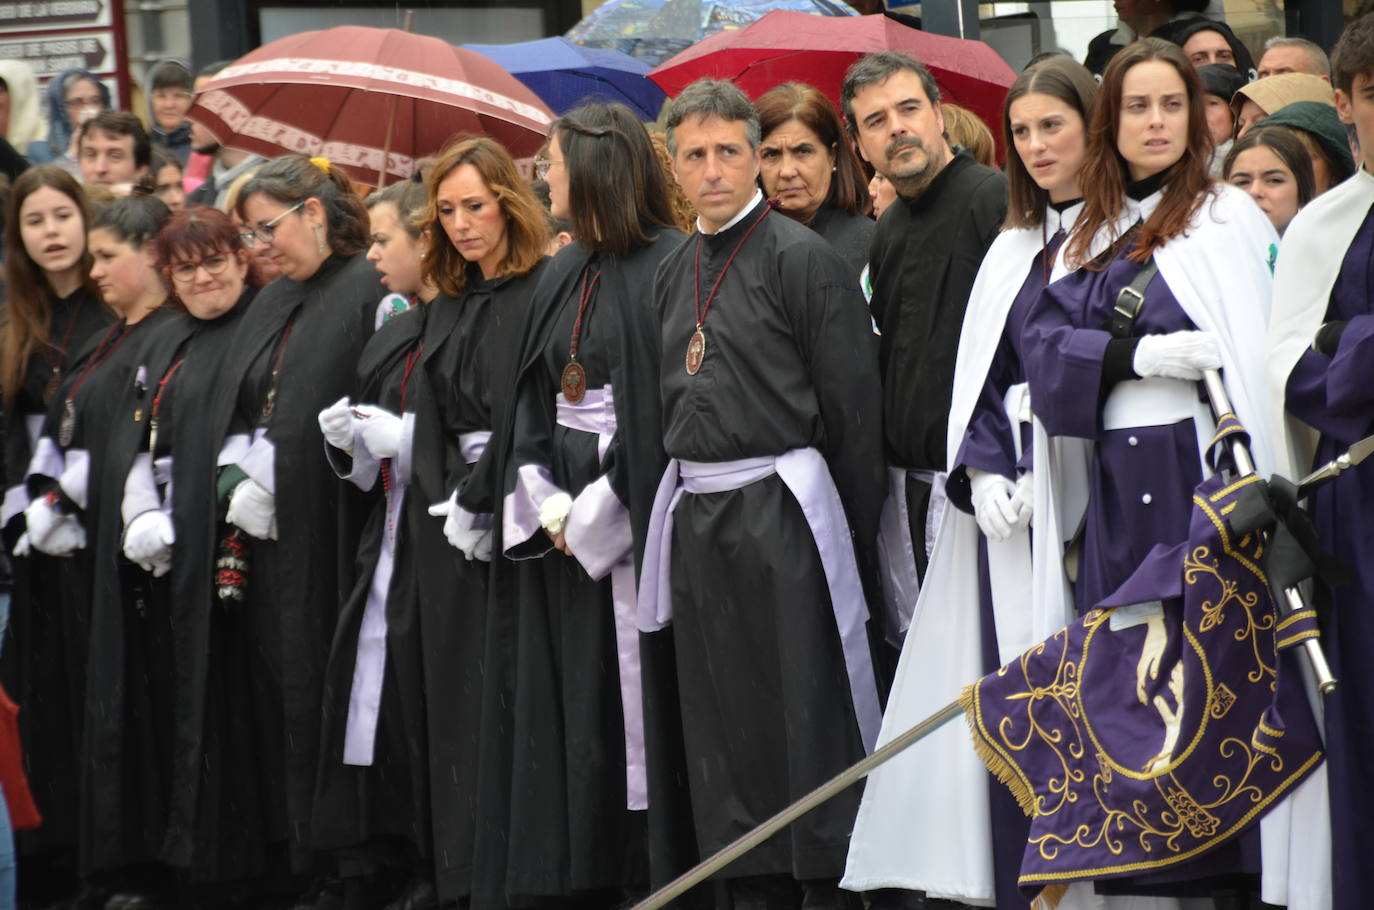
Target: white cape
(923, 822)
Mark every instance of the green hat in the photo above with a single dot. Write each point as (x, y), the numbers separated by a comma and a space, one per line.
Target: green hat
(1318, 120)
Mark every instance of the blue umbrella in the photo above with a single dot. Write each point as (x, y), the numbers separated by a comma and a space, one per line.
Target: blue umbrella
(564, 74)
(654, 30)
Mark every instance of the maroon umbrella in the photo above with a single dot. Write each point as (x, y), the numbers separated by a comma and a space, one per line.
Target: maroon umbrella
(786, 46)
(358, 95)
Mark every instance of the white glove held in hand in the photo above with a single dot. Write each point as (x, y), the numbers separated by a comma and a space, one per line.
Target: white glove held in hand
(148, 542)
(21, 546)
(379, 430)
(253, 509)
(336, 423)
(463, 530)
(51, 532)
(995, 508)
(1177, 355)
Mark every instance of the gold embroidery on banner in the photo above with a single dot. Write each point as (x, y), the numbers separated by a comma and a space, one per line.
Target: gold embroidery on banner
(1222, 700)
(1052, 719)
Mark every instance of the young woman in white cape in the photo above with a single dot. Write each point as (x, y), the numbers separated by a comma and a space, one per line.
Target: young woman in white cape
(1208, 308)
(971, 616)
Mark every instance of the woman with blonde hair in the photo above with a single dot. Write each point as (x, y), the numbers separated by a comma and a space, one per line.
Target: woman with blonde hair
(406, 678)
(967, 129)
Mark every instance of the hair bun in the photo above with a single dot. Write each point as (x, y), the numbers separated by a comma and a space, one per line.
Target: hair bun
(324, 165)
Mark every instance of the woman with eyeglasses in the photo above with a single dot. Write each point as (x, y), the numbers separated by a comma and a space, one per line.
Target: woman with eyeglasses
(200, 810)
(73, 516)
(398, 779)
(285, 516)
(585, 459)
(74, 96)
(52, 311)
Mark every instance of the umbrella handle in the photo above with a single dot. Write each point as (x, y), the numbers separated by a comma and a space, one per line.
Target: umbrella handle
(1293, 599)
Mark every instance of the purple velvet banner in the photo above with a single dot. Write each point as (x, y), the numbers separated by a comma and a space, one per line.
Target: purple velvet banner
(1148, 732)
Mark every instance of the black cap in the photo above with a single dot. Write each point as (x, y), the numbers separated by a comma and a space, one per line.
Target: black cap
(1221, 79)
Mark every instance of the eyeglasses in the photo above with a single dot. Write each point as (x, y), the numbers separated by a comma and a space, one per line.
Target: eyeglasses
(185, 272)
(73, 104)
(542, 166)
(267, 230)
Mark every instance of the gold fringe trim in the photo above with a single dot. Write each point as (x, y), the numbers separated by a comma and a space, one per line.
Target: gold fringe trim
(996, 763)
(1049, 897)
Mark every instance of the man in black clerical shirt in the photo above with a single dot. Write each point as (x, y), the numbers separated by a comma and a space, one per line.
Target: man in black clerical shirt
(925, 254)
(770, 397)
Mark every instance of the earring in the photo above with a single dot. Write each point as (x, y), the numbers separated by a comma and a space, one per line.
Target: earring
(319, 239)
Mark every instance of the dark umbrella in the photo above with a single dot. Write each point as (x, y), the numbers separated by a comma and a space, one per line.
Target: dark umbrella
(654, 30)
(564, 74)
(785, 46)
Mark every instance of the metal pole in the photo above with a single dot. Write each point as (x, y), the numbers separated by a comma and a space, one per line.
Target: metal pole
(1292, 597)
(825, 791)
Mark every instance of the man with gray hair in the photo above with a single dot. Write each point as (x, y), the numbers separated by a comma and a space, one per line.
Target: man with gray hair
(926, 252)
(771, 416)
(1294, 55)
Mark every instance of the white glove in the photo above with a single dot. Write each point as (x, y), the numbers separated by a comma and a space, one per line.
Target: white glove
(1024, 497)
(39, 519)
(148, 542)
(65, 538)
(253, 509)
(380, 431)
(21, 546)
(336, 423)
(994, 505)
(462, 531)
(1177, 355)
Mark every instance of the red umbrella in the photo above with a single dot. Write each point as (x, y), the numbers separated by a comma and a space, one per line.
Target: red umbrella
(787, 46)
(358, 95)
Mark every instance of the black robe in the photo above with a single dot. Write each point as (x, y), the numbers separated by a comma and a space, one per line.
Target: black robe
(99, 378)
(850, 235)
(767, 712)
(294, 583)
(422, 785)
(926, 253)
(571, 830)
(44, 661)
(481, 492)
(156, 787)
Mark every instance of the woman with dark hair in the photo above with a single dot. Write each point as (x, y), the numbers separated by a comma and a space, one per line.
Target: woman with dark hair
(1323, 137)
(1271, 164)
(73, 515)
(52, 311)
(1124, 377)
(806, 162)
(189, 797)
(293, 353)
(985, 577)
(399, 771)
(586, 455)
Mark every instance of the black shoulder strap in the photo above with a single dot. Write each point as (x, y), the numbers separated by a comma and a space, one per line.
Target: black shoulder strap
(1130, 299)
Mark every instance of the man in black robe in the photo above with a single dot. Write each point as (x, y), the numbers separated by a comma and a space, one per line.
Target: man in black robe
(926, 252)
(770, 412)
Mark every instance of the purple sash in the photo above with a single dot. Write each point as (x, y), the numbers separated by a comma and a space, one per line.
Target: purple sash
(806, 475)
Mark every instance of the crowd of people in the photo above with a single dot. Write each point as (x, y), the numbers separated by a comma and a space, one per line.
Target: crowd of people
(615, 504)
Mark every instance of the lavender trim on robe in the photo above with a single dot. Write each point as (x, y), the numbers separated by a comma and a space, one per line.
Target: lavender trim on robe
(1147, 733)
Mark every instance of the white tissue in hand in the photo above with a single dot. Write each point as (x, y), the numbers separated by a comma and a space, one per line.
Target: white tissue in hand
(553, 514)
